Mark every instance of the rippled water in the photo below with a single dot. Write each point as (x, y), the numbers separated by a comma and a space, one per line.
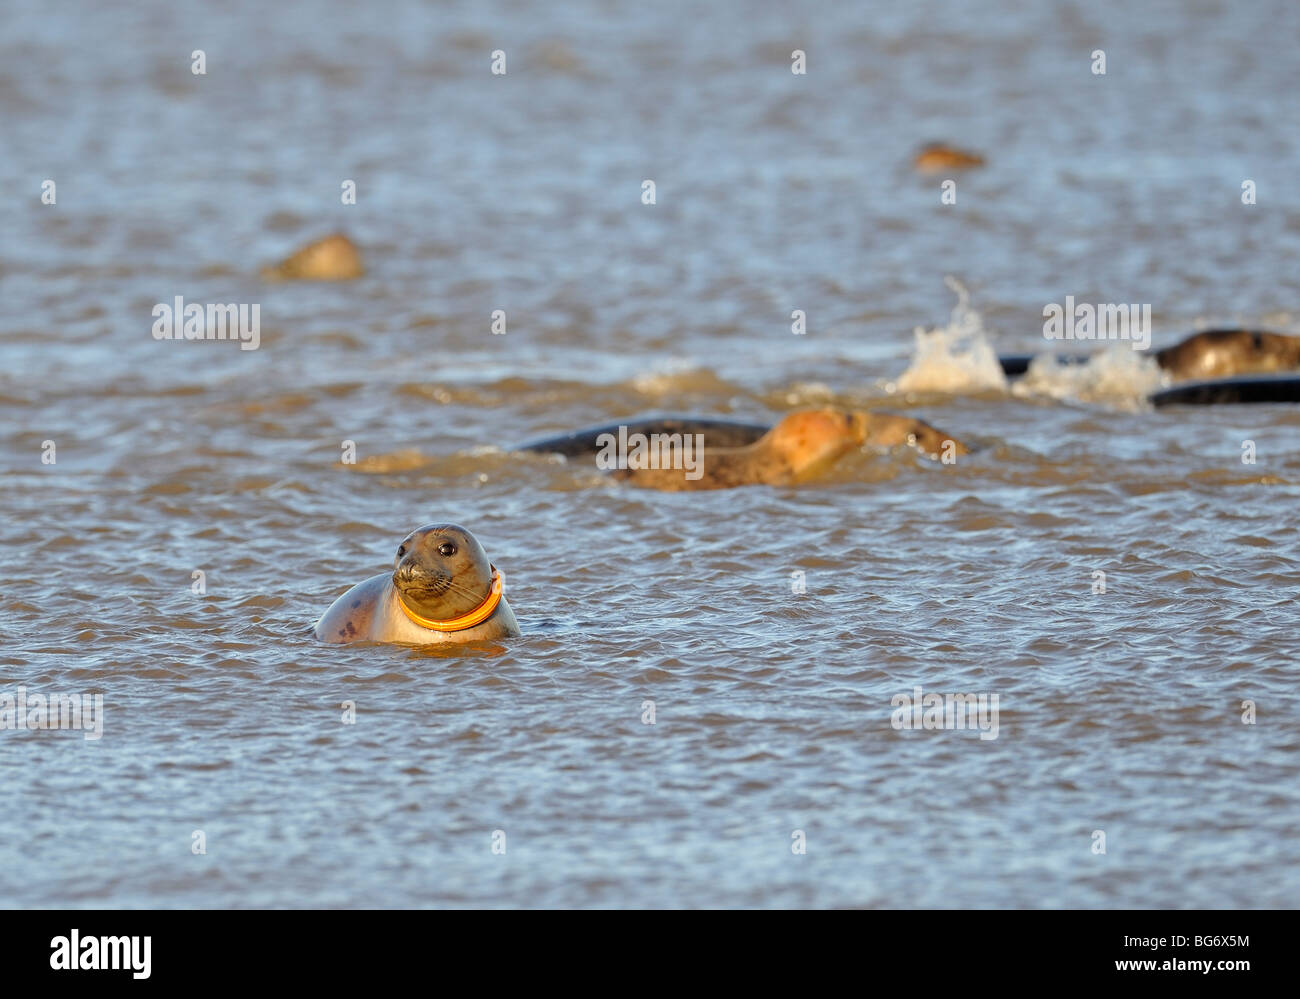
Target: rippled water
(1120, 712)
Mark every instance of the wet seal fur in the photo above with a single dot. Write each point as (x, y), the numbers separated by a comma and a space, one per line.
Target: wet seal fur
(801, 446)
(332, 258)
(441, 573)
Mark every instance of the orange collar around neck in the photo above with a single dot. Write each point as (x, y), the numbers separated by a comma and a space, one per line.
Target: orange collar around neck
(477, 616)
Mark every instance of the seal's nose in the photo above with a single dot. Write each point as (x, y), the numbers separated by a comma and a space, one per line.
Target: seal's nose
(407, 570)
(412, 571)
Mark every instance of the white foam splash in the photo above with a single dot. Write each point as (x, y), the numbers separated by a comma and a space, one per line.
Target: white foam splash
(956, 358)
(959, 359)
(1116, 376)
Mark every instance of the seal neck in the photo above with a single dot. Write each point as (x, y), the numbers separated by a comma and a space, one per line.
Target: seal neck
(477, 616)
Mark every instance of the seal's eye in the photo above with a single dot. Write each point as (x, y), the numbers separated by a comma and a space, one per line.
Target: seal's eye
(446, 549)
(401, 550)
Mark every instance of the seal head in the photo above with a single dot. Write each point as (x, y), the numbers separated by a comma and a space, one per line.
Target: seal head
(443, 578)
(1231, 352)
(939, 156)
(334, 258)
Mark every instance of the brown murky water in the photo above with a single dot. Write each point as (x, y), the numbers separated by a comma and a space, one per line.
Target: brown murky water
(1119, 712)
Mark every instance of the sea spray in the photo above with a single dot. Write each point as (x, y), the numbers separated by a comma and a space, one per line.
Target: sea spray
(956, 358)
(1116, 377)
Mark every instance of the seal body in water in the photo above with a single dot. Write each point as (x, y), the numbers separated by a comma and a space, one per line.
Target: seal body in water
(442, 589)
(938, 156)
(1227, 353)
(1227, 391)
(716, 433)
(802, 445)
(334, 258)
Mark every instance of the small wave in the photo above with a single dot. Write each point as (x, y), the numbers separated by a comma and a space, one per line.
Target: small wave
(405, 460)
(677, 377)
(959, 359)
